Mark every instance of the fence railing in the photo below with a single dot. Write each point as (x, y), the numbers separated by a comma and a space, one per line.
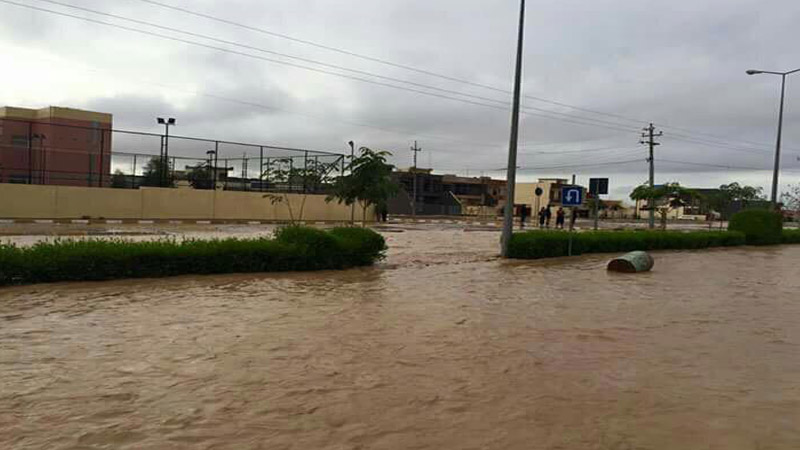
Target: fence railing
(38, 152)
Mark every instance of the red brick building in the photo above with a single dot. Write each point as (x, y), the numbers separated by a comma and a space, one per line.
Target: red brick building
(55, 145)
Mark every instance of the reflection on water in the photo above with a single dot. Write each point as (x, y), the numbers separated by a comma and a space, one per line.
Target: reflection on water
(443, 346)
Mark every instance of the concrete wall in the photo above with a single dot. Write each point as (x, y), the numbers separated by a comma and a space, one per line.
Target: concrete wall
(20, 201)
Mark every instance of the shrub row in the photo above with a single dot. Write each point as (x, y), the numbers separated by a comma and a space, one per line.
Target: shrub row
(761, 227)
(294, 248)
(549, 244)
(791, 236)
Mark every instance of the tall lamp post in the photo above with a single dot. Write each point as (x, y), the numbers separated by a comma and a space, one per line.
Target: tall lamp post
(352, 157)
(774, 198)
(165, 163)
(212, 171)
(508, 223)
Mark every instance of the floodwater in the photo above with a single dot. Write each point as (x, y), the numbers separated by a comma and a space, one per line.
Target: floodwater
(442, 346)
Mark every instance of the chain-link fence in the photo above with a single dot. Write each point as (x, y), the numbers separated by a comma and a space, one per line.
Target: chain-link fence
(35, 152)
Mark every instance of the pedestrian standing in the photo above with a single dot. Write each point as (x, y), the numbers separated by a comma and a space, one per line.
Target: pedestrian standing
(523, 214)
(560, 218)
(573, 218)
(547, 216)
(541, 217)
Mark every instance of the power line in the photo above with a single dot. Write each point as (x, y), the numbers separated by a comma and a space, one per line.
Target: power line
(574, 166)
(380, 61)
(498, 104)
(587, 150)
(422, 71)
(545, 113)
(716, 145)
(712, 165)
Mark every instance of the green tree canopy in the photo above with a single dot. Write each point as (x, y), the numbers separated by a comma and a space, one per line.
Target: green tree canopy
(369, 182)
(119, 179)
(156, 172)
(200, 176)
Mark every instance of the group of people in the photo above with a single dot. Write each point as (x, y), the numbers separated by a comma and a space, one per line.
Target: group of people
(546, 215)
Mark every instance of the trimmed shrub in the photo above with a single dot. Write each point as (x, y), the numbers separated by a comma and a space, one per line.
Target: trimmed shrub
(294, 248)
(360, 245)
(791, 236)
(761, 227)
(548, 244)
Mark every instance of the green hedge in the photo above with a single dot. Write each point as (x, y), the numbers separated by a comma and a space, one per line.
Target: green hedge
(791, 236)
(294, 248)
(762, 227)
(549, 244)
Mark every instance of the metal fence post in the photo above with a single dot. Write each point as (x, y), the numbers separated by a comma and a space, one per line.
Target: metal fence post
(133, 178)
(102, 148)
(305, 171)
(261, 168)
(30, 152)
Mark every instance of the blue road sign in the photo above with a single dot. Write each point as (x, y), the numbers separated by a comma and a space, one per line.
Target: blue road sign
(571, 196)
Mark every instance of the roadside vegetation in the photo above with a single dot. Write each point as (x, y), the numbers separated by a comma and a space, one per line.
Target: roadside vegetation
(752, 227)
(292, 249)
(551, 244)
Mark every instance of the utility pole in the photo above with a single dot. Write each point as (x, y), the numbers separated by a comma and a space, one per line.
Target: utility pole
(650, 135)
(415, 149)
(508, 222)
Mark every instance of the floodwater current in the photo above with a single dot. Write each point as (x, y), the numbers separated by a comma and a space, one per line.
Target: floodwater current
(441, 346)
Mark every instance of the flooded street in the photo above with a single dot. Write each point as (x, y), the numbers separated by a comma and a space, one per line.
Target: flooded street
(441, 346)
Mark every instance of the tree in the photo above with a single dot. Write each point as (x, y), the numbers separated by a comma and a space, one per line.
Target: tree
(282, 175)
(791, 199)
(156, 172)
(119, 179)
(663, 198)
(369, 182)
(200, 176)
(728, 194)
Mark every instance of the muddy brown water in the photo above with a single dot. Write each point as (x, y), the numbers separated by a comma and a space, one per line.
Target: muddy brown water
(443, 346)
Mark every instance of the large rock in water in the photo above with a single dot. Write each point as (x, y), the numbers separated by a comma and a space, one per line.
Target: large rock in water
(632, 262)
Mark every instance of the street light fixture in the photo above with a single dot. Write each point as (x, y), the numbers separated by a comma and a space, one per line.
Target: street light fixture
(774, 198)
(165, 153)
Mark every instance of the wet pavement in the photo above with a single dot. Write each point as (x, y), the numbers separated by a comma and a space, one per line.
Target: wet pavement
(441, 346)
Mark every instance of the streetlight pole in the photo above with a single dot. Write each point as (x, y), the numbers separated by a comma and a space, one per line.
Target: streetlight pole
(508, 223)
(352, 157)
(776, 172)
(212, 171)
(165, 162)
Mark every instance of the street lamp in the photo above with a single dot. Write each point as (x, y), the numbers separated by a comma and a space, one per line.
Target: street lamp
(352, 157)
(165, 155)
(213, 171)
(774, 198)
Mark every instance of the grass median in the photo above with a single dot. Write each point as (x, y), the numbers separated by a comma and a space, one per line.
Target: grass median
(292, 249)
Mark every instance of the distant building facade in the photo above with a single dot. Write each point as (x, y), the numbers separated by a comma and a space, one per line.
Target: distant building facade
(447, 194)
(525, 193)
(53, 145)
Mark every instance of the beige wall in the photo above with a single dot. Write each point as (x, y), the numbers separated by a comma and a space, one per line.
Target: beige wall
(20, 201)
(525, 193)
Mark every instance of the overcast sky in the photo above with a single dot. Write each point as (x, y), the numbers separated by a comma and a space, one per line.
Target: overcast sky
(678, 63)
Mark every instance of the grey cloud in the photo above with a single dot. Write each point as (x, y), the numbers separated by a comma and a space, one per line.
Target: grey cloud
(679, 63)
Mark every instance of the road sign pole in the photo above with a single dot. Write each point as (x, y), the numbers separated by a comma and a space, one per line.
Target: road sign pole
(596, 199)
